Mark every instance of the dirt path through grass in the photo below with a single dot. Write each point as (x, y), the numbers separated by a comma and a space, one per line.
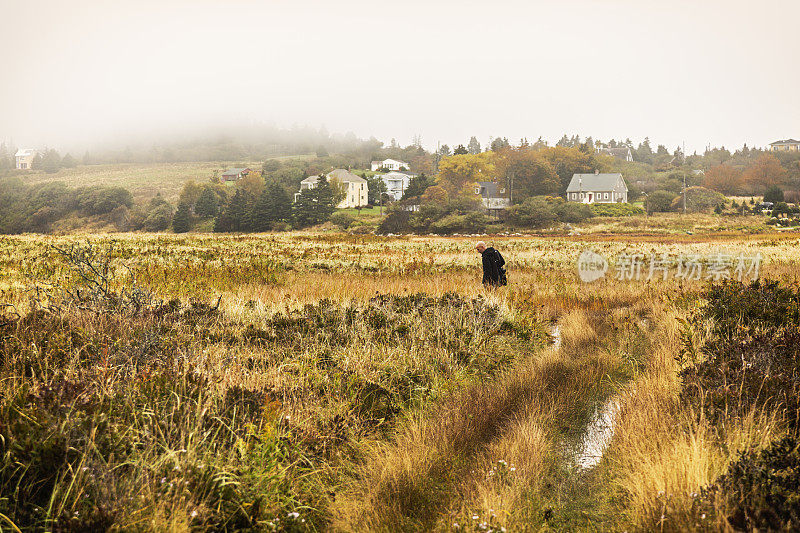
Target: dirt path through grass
(501, 454)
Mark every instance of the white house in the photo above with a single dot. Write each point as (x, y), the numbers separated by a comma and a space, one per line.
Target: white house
(620, 152)
(24, 158)
(355, 187)
(597, 188)
(390, 164)
(396, 183)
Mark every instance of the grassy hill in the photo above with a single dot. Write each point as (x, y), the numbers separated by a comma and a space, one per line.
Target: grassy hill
(143, 180)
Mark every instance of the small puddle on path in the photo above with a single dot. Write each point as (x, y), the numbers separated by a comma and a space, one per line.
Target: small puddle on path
(597, 436)
(600, 429)
(555, 333)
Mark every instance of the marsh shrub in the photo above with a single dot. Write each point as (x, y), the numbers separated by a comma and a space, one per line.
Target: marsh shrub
(116, 410)
(616, 210)
(541, 211)
(432, 217)
(396, 221)
(342, 219)
(659, 201)
(534, 212)
(753, 356)
(760, 491)
(751, 362)
(698, 200)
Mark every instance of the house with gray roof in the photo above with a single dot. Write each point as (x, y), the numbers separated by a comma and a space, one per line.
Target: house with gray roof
(597, 188)
(235, 174)
(622, 153)
(492, 196)
(787, 145)
(397, 183)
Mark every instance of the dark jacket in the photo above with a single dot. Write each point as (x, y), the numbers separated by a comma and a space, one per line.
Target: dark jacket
(493, 271)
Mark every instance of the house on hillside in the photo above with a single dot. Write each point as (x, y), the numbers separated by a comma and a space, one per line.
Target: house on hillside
(492, 197)
(24, 158)
(355, 187)
(235, 174)
(397, 183)
(597, 188)
(389, 164)
(622, 153)
(789, 145)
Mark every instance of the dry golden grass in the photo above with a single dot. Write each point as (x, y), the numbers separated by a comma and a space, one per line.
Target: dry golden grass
(441, 463)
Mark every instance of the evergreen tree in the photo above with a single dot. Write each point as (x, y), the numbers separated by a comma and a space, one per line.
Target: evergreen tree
(644, 153)
(273, 205)
(232, 218)
(499, 143)
(460, 150)
(773, 194)
(207, 203)
(51, 161)
(182, 221)
(69, 162)
(5, 158)
(314, 206)
(281, 203)
(36, 164)
(375, 187)
(474, 146)
(417, 186)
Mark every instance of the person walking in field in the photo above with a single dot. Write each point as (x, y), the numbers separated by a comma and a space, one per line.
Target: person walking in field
(494, 275)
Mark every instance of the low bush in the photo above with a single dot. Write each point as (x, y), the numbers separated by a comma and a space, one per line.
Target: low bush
(343, 220)
(616, 210)
(760, 491)
(752, 359)
(698, 200)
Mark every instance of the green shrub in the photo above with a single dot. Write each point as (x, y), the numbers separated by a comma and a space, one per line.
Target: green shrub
(698, 200)
(659, 201)
(616, 210)
(396, 221)
(342, 219)
(753, 357)
(773, 194)
(534, 212)
(572, 212)
(761, 490)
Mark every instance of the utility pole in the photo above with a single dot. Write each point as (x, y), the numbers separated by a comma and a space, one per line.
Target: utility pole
(684, 193)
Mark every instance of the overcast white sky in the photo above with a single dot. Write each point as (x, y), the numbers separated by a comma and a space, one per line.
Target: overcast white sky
(713, 71)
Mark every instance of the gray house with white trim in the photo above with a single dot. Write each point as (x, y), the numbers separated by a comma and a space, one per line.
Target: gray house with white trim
(597, 188)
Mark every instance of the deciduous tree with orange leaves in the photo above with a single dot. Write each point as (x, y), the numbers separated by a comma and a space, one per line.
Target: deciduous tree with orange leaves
(724, 178)
(765, 172)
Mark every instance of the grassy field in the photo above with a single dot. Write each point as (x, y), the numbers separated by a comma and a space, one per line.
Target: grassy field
(331, 382)
(143, 180)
